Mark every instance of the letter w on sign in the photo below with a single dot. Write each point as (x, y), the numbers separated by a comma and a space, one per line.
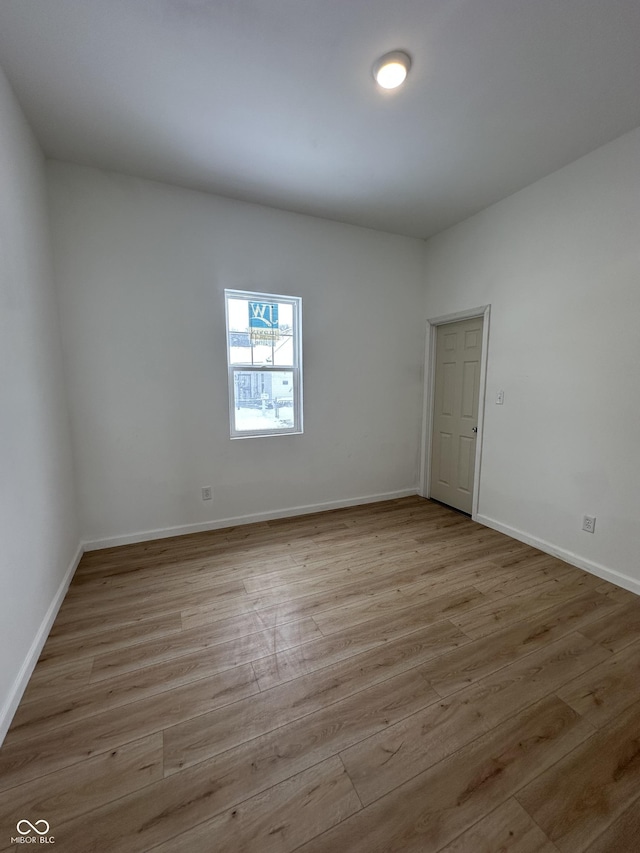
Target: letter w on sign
(263, 321)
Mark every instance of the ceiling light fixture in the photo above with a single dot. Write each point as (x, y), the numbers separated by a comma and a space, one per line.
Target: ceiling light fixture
(391, 69)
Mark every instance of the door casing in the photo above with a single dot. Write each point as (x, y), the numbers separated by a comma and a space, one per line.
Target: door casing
(483, 311)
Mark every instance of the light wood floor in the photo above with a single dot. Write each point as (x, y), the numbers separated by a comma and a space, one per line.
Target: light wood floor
(391, 677)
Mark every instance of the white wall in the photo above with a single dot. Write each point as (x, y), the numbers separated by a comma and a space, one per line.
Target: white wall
(141, 269)
(38, 524)
(560, 264)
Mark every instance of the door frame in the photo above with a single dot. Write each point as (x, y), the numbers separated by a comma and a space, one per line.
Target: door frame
(483, 311)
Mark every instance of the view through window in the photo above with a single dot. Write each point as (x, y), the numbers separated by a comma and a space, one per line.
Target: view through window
(264, 360)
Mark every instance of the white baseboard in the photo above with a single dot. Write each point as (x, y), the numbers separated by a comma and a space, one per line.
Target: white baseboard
(165, 532)
(593, 568)
(22, 679)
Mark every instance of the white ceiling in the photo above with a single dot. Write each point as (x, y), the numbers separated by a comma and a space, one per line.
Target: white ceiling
(273, 101)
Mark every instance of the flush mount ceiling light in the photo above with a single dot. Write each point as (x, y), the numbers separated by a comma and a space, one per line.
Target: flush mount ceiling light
(391, 69)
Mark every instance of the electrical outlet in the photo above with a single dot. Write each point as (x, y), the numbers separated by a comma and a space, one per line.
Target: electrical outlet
(589, 523)
(206, 493)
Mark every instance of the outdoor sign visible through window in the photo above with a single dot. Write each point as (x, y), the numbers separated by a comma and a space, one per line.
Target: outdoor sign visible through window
(263, 321)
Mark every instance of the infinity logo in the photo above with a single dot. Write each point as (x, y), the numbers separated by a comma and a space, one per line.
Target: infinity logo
(32, 827)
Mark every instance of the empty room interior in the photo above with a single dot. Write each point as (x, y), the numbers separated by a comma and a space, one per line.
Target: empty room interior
(320, 417)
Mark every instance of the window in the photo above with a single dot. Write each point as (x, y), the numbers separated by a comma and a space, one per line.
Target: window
(264, 356)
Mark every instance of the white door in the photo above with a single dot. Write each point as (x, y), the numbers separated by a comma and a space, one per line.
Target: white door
(455, 413)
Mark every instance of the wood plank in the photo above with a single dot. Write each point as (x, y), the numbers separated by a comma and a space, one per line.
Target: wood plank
(232, 725)
(423, 588)
(124, 619)
(105, 592)
(512, 580)
(182, 800)
(507, 829)
(619, 631)
(227, 654)
(435, 807)
(303, 600)
(135, 611)
(621, 835)
(221, 548)
(593, 785)
(28, 753)
(107, 640)
(292, 663)
(66, 675)
(416, 565)
(205, 613)
(418, 582)
(69, 706)
(386, 760)
(324, 571)
(617, 593)
(460, 667)
(335, 726)
(376, 604)
(606, 690)
(223, 567)
(524, 556)
(496, 614)
(278, 820)
(454, 577)
(469, 546)
(73, 609)
(64, 794)
(440, 607)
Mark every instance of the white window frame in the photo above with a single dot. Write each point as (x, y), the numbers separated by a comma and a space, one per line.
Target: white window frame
(295, 368)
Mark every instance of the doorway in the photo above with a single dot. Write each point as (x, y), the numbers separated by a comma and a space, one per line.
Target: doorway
(456, 370)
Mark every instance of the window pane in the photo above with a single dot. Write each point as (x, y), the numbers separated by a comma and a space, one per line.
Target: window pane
(260, 332)
(263, 400)
(238, 311)
(283, 352)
